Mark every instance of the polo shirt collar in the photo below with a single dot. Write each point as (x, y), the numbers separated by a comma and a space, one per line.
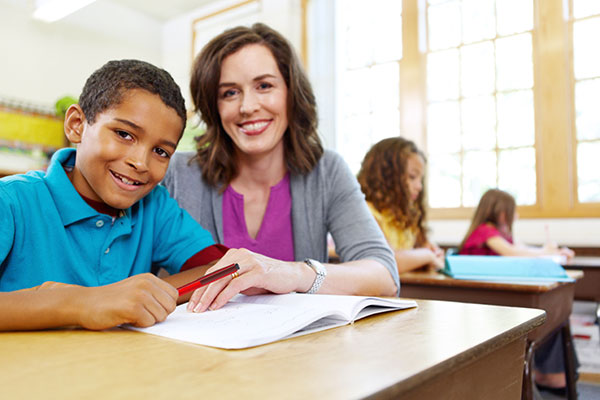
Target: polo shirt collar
(70, 205)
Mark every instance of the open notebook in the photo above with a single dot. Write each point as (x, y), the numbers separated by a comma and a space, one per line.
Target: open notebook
(248, 321)
(505, 269)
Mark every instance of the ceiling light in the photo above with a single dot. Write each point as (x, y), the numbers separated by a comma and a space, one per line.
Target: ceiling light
(53, 10)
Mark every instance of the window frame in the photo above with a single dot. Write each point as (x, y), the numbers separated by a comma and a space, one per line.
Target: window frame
(554, 111)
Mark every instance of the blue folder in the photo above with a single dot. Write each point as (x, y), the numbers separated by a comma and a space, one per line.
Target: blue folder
(499, 268)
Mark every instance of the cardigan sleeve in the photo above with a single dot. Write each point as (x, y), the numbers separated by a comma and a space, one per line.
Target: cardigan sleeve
(356, 234)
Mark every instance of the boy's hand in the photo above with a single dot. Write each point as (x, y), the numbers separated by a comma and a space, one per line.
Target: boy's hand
(140, 300)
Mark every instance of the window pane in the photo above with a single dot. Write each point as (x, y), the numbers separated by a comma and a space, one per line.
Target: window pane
(515, 119)
(514, 16)
(442, 75)
(514, 62)
(516, 174)
(443, 128)
(479, 175)
(588, 177)
(585, 48)
(585, 8)
(357, 92)
(444, 25)
(358, 46)
(385, 87)
(444, 181)
(478, 70)
(355, 139)
(387, 29)
(384, 124)
(479, 123)
(587, 99)
(479, 21)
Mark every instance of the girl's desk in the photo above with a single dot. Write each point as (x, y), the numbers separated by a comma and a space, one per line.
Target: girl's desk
(555, 298)
(587, 288)
(439, 350)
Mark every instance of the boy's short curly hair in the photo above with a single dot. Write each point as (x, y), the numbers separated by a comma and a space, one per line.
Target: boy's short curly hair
(105, 88)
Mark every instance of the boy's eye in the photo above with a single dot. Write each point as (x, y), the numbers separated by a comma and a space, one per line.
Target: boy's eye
(161, 152)
(124, 135)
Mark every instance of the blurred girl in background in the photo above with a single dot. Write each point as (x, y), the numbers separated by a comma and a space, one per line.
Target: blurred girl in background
(391, 177)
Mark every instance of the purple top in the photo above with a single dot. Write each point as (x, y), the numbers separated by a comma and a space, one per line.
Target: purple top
(274, 238)
(475, 244)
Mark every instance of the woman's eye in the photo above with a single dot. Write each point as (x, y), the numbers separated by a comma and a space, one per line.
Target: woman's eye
(228, 93)
(264, 85)
(161, 152)
(124, 135)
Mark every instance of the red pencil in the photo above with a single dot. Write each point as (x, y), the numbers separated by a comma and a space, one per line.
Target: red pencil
(206, 279)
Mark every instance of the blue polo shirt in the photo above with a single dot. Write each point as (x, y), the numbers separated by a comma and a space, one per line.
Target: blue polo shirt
(49, 233)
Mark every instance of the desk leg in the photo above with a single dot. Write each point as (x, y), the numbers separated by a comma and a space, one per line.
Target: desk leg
(527, 391)
(569, 362)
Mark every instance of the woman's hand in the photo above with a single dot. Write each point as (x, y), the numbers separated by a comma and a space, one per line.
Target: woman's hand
(258, 274)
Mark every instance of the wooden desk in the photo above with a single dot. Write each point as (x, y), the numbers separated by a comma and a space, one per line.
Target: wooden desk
(441, 350)
(555, 298)
(587, 288)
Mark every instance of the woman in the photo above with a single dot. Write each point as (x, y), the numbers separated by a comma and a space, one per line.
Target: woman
(262, 183)
(391, 177)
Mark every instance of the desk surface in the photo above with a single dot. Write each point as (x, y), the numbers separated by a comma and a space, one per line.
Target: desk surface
(439, 279)
(384, 355)
(556, 298)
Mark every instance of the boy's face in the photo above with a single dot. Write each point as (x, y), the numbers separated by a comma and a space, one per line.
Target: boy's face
(125, 153)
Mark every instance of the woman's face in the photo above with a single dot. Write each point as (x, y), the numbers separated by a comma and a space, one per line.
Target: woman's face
(252, 101)
(415, 170)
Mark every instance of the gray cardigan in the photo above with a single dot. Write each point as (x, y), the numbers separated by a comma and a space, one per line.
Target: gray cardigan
(328, 199)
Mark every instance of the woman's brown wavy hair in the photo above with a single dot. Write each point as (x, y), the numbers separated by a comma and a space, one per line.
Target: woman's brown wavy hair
(492, 204)
(382, 178)
(215, 150)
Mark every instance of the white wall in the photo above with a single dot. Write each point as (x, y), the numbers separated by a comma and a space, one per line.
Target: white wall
(574, 232)
(42, 62)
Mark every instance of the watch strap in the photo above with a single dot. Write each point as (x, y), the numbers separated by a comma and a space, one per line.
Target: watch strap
(321, 272)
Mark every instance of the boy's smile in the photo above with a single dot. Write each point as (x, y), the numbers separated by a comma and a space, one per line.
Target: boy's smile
(125, 153)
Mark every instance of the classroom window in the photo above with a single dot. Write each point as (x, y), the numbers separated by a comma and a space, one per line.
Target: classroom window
(480, 110)
(586, 70)
(498, 93)
(370, 80)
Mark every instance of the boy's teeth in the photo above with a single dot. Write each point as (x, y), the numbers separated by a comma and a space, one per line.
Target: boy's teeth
(125, 180)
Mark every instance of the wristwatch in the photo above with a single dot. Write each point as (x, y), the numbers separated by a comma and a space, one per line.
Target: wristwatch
(321, 272)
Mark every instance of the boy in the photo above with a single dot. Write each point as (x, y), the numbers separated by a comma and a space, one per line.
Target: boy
(96, 221)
